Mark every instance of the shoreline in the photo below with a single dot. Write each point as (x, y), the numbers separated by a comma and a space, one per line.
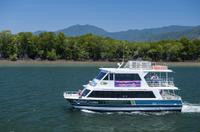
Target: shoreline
(81, 63)
(55, 63)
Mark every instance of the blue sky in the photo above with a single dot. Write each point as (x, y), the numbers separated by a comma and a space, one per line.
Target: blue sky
(111, 15)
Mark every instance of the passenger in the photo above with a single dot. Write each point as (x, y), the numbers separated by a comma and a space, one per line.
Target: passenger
(161, 92)
(155, 79)
(79, 92)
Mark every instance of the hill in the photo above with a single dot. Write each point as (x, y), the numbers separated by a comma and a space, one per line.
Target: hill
(151, 34)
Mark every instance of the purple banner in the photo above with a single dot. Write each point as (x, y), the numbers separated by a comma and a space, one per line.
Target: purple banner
(127, 83)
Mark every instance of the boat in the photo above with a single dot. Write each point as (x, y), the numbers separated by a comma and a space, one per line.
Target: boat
(134, 86)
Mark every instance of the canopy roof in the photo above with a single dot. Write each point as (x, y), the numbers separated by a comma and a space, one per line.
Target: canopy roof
(129, 70)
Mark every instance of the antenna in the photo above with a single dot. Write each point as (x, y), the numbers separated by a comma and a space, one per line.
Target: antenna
(123, 53)
(120, 64)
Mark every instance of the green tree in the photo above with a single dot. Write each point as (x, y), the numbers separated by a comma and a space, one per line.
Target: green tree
(6, 39)
(32, 48)
(53, 46)
(194, 49)
(24, 39)
(51, 55)
(61, 45)
(173, 51)
(46, 43)
(185, 55)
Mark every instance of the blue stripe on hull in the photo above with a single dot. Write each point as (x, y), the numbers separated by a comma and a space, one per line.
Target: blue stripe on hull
(158, 102)
(132, 106)
(134, 103)
(129, 109)
(137, 105)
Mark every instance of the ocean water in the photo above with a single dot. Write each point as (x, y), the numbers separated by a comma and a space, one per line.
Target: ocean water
(31, 100)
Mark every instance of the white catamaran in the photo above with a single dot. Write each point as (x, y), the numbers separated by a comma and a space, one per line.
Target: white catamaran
(136, 86)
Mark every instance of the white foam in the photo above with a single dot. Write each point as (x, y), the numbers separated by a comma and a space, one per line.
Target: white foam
(160, 113)
(187, 108)
(138, 113)
(88, 111)
(191, 108)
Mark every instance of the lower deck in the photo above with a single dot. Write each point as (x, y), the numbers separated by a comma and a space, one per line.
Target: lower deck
(127, 105)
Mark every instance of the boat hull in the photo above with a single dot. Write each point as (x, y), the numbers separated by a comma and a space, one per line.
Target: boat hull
(128, 109)
(146, 106)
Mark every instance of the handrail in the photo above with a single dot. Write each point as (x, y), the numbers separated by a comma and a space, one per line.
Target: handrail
(169, 96)
(159, 67)
(161, 82)
(145, 65)
(71, 92)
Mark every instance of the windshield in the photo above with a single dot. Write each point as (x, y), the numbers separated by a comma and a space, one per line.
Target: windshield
(101, 75)
(85, 92)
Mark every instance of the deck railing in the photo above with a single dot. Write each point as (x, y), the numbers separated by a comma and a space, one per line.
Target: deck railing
(71, 93)
(161, 82)
(170, 96)
(145, 65)
(138, 65)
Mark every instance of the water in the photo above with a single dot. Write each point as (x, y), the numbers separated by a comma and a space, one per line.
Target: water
(31, 99)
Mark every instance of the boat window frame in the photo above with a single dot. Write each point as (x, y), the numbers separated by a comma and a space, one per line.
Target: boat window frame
(85, 95)
(135, 78)
(102, 77)
(110, 76)
(107, 76)
(122, 94)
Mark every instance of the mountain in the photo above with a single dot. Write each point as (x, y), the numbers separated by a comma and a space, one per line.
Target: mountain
(156, 34)
(151, 34)
(38, 32)
(78, 30)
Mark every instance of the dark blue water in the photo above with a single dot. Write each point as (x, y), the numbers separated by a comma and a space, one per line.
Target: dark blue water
(31, 99)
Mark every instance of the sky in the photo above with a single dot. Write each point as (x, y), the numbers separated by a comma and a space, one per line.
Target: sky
(111, 15)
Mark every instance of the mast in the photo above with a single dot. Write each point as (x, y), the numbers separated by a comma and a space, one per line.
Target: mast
(120, 64)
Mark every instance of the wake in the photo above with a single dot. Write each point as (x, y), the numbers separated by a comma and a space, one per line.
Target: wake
(125, 113)
(190, 108)
(88, 111)
(187, 108)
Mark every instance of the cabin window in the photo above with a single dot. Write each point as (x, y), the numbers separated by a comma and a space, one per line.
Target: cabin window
(116, 102)
(111, 76)
(122, 94)
(100, 75)
(127, 80)
(106, 77)
(85, 92)
(144, 94)
(127, 77)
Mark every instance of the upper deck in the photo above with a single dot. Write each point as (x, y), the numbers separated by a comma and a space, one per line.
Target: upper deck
(133, 66)
(135, 74)
(144, 65)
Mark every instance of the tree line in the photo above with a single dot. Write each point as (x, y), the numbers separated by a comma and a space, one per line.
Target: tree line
(53, 46)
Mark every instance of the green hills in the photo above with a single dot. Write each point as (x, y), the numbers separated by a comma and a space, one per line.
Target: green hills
(151, 34)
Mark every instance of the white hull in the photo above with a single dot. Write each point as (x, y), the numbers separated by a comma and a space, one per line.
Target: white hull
(129, 108)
